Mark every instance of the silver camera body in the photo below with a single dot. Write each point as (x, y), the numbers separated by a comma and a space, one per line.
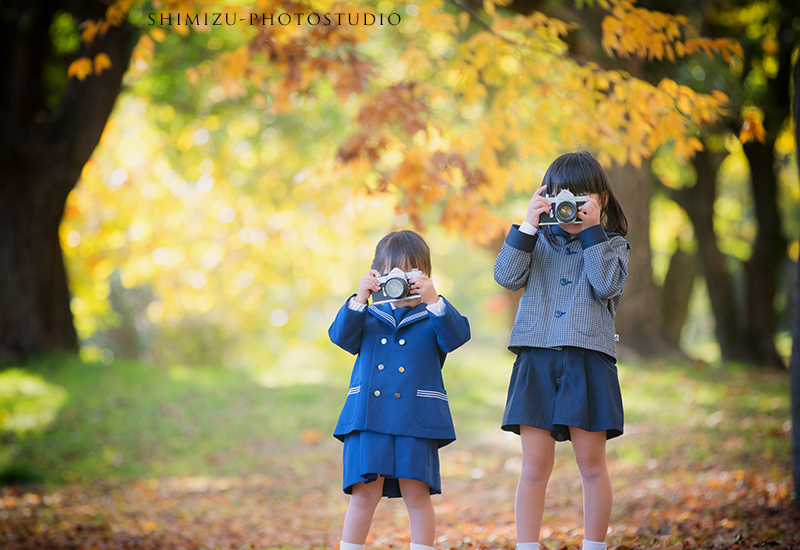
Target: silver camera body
(395, 286)
(563, 209)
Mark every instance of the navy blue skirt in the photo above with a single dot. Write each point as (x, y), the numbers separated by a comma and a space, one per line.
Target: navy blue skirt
(367, 455)
(553, 389)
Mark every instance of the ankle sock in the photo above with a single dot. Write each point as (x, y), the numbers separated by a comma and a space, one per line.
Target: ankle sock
(591, 545)
(420, 547)
(527, 546)
(350, 546)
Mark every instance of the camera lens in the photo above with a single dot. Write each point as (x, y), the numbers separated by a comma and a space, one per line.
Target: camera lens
(395, 288)
(566, 212)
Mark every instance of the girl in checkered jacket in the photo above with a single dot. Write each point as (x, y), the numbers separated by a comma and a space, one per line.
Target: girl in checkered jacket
(564, 383)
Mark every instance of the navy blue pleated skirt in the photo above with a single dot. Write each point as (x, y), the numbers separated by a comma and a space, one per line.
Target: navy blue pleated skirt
(553, 389)
(367, 455)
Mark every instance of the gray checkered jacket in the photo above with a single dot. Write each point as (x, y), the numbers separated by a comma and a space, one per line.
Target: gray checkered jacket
(571, 290)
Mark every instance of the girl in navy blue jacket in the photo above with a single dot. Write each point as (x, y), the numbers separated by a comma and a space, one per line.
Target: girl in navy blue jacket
(564, 383)
(396, 415)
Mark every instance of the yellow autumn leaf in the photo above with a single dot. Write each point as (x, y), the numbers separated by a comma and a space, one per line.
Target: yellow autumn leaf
(81, 68)
(115, 14)
(90, 29)
(463, 20)
(752, 129)
(192, 76)
(101, 62)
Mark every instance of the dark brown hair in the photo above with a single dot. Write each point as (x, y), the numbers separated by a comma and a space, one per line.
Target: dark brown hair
(581, 173)
(404, 249)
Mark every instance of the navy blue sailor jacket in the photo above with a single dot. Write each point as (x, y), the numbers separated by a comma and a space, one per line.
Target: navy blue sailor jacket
(396, 386)
(572, 290)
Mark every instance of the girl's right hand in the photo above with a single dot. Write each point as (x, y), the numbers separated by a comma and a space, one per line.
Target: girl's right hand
(537, 206)
(367, 284)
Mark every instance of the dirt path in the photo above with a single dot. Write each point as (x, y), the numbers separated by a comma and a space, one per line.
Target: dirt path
(296, 502)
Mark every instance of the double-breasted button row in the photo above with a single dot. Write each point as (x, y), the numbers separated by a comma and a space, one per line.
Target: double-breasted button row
(401, 342)
(382, 367)
(377, 393)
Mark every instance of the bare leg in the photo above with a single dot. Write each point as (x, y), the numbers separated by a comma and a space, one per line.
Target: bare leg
(590, 454)
(417, 496)
(538, 457)
(363, 501)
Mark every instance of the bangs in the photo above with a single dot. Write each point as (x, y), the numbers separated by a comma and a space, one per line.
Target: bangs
(404, 249)
(578, 172)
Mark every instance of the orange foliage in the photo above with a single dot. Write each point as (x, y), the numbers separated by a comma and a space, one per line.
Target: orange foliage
(456, 105)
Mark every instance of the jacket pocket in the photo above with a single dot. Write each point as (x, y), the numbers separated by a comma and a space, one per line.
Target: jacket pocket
(588, 318)
(350, 405)
(432, 408)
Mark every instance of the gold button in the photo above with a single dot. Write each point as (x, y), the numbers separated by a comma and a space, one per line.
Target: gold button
(377, 393)
(380, 367)
(402, 342)
(402, 369)
(383, 340)
(397, 395)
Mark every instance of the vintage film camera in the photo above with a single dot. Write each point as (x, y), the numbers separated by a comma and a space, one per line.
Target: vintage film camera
(395, 286)
(564, 209)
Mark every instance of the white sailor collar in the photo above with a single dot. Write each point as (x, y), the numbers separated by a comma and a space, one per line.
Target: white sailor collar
(384, 313)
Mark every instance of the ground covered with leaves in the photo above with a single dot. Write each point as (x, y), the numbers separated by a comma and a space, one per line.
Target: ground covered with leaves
(704, 463)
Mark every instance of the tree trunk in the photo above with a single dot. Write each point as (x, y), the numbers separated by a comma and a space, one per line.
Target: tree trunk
(676, 293)
(795, 363)
(698, 202)
(639, 321)
(42, 152)
(762, 270)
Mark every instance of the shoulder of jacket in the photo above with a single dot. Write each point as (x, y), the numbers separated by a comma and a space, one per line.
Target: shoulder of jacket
(618, 239)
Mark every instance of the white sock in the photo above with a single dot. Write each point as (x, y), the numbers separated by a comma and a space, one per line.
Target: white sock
(527, 546)
(350, 546)
(591, 545)
(420, 547)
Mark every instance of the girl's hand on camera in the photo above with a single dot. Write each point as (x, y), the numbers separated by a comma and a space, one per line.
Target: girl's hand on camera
(423, 286)
(537, 206)
(589, 213)
(367, 284)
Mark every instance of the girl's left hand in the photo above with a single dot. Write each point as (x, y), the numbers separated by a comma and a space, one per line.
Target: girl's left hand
(423, 286)
(589, 213)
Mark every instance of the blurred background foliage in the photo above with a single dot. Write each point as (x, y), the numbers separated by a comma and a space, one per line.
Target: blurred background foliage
(199, 234)
(207, 231)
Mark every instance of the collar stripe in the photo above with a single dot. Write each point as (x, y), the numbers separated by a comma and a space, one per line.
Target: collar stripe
(414, 317)
(383, 314)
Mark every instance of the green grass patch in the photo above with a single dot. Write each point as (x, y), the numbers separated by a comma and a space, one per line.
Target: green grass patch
(129, 420)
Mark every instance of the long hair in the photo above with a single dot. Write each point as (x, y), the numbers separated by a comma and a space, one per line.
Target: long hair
(404, 249)
(581, 173)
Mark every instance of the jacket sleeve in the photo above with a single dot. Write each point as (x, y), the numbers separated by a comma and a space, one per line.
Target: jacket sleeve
(513, 264)
(346, 329)
(451, 328)
(605, 261)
